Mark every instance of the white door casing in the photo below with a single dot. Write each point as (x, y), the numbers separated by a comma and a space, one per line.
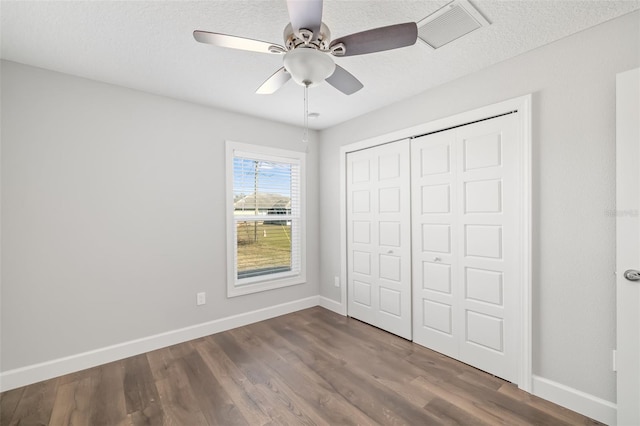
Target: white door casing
(466, 245)
(379, 237)
(628, 246)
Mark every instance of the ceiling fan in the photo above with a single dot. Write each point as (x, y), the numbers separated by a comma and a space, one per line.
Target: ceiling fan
(308, 49)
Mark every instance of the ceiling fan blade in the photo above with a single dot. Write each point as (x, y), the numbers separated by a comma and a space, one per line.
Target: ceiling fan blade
(273, 83)
(344, 81)
(235, 42)
(305, 14)
(379, 39)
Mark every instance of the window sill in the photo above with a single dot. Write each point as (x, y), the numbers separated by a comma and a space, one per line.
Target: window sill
(234, 290)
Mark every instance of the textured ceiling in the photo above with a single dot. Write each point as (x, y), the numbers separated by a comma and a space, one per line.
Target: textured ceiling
(148, 45)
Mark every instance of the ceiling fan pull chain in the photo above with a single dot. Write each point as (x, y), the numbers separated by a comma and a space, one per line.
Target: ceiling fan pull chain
(305, 137)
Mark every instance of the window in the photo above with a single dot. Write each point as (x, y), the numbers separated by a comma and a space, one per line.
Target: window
(265, 225)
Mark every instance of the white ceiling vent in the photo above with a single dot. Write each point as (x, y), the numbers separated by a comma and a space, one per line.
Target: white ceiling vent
(450, 23)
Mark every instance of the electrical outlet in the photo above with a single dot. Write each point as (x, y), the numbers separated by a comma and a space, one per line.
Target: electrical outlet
(201, 298)
(336, 281)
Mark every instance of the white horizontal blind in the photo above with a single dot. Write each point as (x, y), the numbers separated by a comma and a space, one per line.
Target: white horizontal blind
(266, 212)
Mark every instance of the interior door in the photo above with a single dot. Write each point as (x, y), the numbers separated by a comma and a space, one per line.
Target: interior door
(466, 210)
(628, 246)
(379, 237)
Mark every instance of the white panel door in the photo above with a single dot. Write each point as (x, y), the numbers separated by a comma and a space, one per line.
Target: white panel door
(379, 237)
(466, 211)
(628, 245)
(433, 184)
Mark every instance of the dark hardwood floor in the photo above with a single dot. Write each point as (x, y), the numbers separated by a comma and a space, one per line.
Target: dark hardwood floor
(309, 367)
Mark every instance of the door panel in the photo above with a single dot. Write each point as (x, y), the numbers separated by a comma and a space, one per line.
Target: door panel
(379, 238)
(465, 268)
(434, 204)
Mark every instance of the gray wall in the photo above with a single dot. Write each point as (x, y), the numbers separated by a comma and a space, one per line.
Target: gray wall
(113, 214)
(573, 82)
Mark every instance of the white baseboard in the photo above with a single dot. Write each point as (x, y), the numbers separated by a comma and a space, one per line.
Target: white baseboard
(18, 377)
(586, 404)
(332, 305)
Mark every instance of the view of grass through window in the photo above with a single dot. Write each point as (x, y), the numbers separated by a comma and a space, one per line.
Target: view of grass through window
(263, 248)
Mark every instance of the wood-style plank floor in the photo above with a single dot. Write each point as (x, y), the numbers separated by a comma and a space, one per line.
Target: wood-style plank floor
(309, 367)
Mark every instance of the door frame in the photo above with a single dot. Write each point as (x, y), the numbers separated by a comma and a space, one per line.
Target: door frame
(627, 315)
(522, 104)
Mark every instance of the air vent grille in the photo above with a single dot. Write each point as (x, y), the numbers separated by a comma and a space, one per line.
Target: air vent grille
(450, 23)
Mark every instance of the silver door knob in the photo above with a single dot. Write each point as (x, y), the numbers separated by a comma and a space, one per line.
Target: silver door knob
(632, 275)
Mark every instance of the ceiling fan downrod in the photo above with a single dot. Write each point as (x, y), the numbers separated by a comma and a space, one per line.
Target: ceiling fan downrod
(305, 134)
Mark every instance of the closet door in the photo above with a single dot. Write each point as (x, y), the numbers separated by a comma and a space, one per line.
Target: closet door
(379, 237)
(435, 211)
(465, 247)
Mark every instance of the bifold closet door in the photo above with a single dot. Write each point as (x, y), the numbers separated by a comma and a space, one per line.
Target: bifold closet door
(379, 237)
(465, 244)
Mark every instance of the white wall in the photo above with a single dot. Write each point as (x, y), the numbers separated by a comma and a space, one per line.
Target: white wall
(573, 82)
(113, 214)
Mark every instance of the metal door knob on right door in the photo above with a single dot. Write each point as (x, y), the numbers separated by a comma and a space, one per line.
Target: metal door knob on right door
(632, 275)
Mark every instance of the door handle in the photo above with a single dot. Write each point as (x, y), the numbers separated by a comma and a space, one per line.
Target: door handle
(632, 275)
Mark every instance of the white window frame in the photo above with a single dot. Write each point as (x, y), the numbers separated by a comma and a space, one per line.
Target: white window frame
(238, 287)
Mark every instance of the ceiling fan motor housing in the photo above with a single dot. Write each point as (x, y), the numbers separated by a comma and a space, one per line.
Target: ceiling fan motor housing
(306, 38)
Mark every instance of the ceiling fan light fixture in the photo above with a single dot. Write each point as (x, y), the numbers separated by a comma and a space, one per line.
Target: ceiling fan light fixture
(308, 67)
